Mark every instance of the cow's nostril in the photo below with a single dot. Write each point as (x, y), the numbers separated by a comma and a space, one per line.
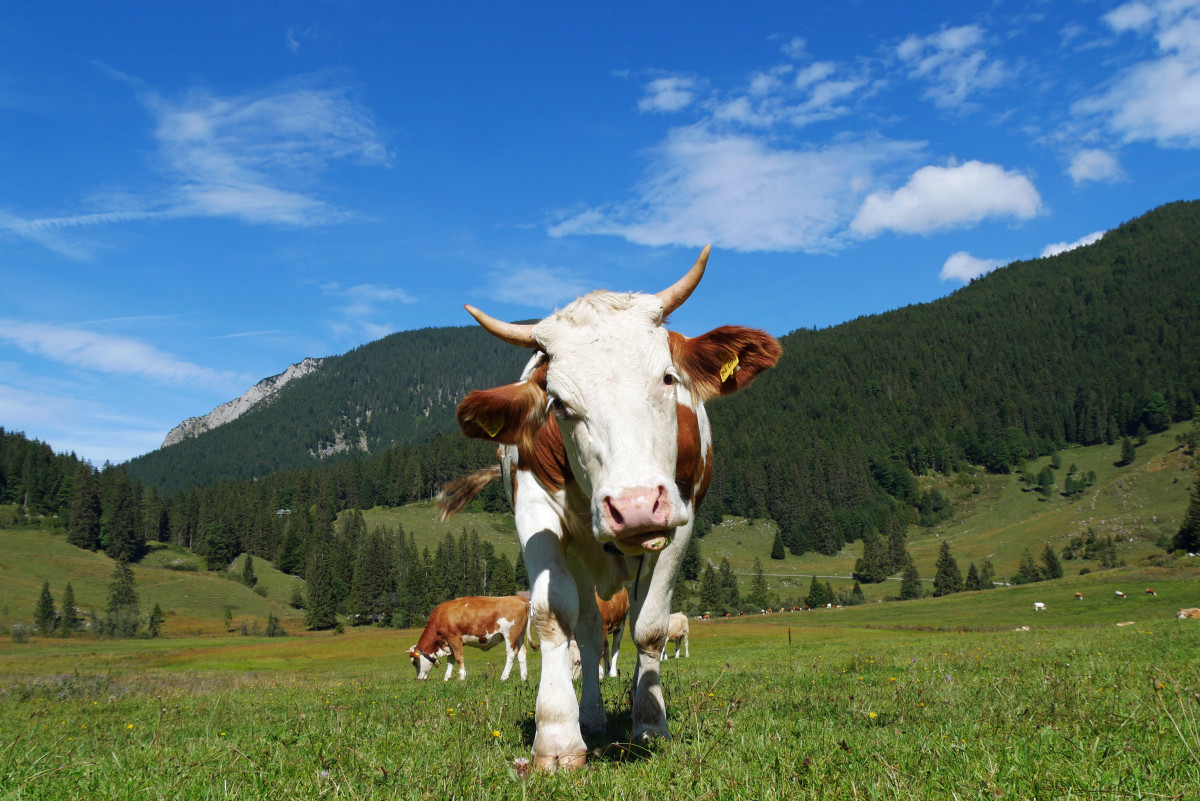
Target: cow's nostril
(613, 513)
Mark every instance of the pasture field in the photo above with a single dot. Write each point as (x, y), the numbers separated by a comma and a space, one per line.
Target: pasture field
(856, 703)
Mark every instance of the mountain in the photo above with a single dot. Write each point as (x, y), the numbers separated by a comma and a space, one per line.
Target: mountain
(261, 393)
(1087, 346)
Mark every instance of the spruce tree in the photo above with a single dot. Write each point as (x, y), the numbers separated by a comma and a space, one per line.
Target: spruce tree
(875, 563)
(897, 543)
(856, 595)
(1187, 539)
(1053, 569)
(45, 616)
(1028, 571)
(503, 580)
(155, 621)
(321, 607)
(972, 581)
(947, 579)
(987, 574)
(777, 550)
(910, 582)
(732, 594)
(248, 577)
(68, 621)
(121, 615)
(817, 596)
(521, 573)
(1128, 452)
(711, 591)
(758, 587)
(274, 627)
(83, 530)
(691, 564)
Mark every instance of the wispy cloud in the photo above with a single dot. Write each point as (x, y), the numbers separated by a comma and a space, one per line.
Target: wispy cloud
(1095, 165)
(252, 157)
(672, 93)
(364, 310)
(953, 63)
(962, 266)
(1157, 99)
(536, 286)
(102, 353)
(937, 198)
(1063, 247)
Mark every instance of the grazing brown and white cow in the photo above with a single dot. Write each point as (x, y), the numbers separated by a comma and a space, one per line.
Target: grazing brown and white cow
(1079, 596)
(1190, 612)
(605, 452)
(677, 632)
(612, 619)
(480, 622)
(1119, 594)
(1150, 591)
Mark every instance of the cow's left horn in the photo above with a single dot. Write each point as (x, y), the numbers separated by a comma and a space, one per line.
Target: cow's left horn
(673, 296)
(513, 334)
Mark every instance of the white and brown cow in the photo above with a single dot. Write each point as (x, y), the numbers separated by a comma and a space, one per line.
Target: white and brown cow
(606, 453)
(1190, 612)
(479, 621)
(677, 632)
(612, 620)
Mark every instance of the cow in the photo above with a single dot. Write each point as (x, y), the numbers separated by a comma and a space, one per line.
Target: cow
(1151, 592)
(1119, 594)
(612, 619)
(605, 453)
(480, 622)
(1190, 612)
(677, 632)
(1038, 606)
(1079, 596)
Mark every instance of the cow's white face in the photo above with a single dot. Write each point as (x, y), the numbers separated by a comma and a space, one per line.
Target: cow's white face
(422, 662)
(612, 388)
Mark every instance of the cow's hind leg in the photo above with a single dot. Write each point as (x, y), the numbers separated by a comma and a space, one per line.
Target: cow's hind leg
(557, 743)
(512, 636)
(589, 636)
(618, 632)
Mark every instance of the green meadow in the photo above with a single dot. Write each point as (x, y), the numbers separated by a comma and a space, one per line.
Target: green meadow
(870, 702)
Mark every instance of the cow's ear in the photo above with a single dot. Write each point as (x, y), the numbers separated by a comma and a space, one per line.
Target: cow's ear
(725, 359)
(508, 414)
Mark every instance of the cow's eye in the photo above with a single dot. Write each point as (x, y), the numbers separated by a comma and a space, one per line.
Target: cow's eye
(669, 379)
(559, 408)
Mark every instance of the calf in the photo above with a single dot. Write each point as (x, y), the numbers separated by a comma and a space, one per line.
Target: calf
(480, 622)
(1190, 612)
(677, 632)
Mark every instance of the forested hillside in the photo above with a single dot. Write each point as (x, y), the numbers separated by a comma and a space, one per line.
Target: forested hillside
(399, 390)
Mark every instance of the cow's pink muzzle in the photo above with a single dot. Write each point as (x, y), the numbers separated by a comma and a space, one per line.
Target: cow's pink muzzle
(639, 517)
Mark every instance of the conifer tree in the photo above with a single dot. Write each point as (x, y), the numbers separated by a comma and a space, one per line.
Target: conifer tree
(321, 607)
(248, 577)
(274, 627)
(1028, 571)
(987, 574)
(947, 579)
(777, 551)
(121, 615)
(122, 510)
(732, 594)
(45, 616)
(972, 581)
(856, 594)
(68, 621)
(83, 530)
(711, 592)
(503, 580)
(155, 621)
(1128, 452)
(691, 564)
(817, 596)
(521, 573)
(1053, 569)
(875, 563)
(897, 543)
(910, 582)
(758, 587)
(1187, 539)
(372, 584)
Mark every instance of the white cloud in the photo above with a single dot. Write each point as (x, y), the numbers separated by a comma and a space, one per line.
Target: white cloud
(536, 286)
(1063, 247)
(954, 64)
(962, 266)
(945, 197)
(1095, 165)
(1158, 99)
(740, 192)
(669, 94)
(362, 309)
(108, 354)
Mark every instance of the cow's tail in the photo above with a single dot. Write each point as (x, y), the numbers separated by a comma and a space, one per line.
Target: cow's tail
(455, 496)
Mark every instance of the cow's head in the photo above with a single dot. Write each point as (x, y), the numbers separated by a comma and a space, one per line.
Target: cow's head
(619, 390)
(422, 661)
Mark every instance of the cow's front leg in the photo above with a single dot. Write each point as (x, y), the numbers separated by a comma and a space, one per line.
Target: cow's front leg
(649, 615)
(589, 636)
(554, 603)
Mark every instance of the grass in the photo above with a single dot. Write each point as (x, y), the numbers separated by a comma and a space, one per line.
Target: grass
(793, 706)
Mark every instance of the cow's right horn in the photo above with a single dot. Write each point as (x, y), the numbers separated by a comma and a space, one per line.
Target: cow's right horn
(513, 334)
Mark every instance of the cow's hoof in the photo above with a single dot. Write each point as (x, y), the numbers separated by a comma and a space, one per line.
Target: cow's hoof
(549, 763)
(594, 723)
(644, 733)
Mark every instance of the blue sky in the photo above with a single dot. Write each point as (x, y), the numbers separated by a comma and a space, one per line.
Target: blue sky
(194, 196)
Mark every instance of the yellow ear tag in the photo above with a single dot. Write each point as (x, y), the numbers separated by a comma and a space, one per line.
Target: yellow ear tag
(491, 426)
(728, 368)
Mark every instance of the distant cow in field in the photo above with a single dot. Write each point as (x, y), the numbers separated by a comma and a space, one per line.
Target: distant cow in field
(1191, 612)
(677, 632)
(1119, 594)
(1079, 596)
(1150, 591)
(1038, 606)
(481, 622)
(612, 622)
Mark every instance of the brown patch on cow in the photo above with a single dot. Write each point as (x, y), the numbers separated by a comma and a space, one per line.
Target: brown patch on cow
(614, 611)
(706, 476)
(702, 358)
(688, 465)
(510, 414)
(546, 457)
